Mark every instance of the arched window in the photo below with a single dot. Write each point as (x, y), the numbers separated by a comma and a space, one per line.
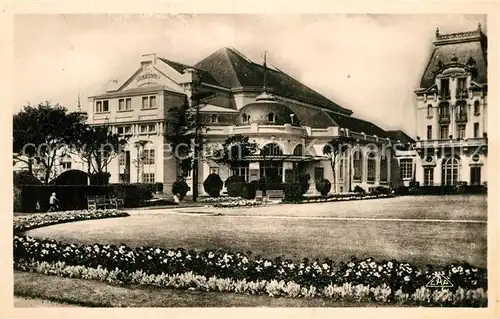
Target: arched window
(357, 163)
(371, 167)
(450, 171)
(298, 150)
(272, 149)
(271, 117)
(461, 110)
(214, 118)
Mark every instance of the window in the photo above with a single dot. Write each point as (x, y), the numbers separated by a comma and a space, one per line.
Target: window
(145, 102)
(461, 87)
(371, 163)
(271, 117)
(214, 118)
(272, 149)
(476, 129)
(121, 159)
(121, 104)
(461, 131)
(357, 165)
(148, 128)
(149, 157)
(319, 173)
(152, 102)
(450, 170)
(429, 110)
(383, 168)
(445, 88)
(406, 166)
(148, 178)
(298, 150)
(102, 106)
(444, 132)
(444, 111)
(475, 175)
(241, 170)
(429, 132)
(245, 118)
(124, 104)
(341, 169)
(144, 128)
(120, 130)
(428, 176)
(462, 111)
(66, 162)
(151, 128)
(476, 108)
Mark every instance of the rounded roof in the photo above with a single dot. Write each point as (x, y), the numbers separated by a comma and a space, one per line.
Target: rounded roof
(258, 112)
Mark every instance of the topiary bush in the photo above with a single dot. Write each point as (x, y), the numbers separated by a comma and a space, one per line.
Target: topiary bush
(71, 177)
(25, 178)
(180, 188)
(323, 186)
(293, 192)
(303, 180)
(101, 178)
(235, 185)
(213, 185)
(250, 190)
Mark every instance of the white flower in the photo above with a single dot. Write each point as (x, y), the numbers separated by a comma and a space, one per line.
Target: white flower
(267, 264)
(211, 255)
(406, 278)
(389, 264)
(325, 266)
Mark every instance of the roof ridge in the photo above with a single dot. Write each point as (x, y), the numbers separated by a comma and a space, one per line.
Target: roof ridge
(226, 53)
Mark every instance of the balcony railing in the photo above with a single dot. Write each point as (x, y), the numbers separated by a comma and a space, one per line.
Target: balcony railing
(461, 117)
(467, 142)
(462, 93)
(444, 118)
(444, 95)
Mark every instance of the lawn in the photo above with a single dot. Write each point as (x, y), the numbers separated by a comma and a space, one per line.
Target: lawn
(417, 242)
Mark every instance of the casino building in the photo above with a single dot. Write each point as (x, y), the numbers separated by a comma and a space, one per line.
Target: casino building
(452, 112)
(289, 121)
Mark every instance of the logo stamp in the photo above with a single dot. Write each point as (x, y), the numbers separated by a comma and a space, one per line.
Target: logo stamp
(439, 281)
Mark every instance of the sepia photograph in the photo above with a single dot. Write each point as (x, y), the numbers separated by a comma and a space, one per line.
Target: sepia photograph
(250, 160)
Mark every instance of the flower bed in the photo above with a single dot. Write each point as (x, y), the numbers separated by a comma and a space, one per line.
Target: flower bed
(338, 198)
(221, 199)
(45, 219)
(317, 275)
(239, 203)
(357, 280)
(273, 288)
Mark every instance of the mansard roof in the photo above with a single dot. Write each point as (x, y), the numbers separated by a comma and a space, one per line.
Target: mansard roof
(467, 49)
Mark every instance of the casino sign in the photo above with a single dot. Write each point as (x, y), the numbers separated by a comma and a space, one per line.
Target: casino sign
(147, 76)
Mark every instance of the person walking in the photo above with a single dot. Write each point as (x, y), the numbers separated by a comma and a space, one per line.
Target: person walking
(53, 203)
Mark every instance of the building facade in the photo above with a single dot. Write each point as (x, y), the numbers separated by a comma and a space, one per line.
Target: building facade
(452, 112)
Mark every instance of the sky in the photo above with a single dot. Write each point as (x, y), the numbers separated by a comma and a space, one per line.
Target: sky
(370, 64)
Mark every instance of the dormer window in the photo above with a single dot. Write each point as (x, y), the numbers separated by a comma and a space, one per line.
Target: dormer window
(461, 87)
(271, 117)
(214, 118)
(444, 91)
(245, 118)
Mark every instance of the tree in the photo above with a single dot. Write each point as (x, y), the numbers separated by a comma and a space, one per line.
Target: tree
(234, 150)
(139, 160)
(44, 133)
(97, 146)
(185, 135)
(333, 149)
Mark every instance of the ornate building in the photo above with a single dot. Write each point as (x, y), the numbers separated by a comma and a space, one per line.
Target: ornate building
(452, 112)
(289, 121)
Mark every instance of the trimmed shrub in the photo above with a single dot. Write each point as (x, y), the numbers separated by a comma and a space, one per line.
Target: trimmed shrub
(303, 180)
(158, 187)
(323, 186)
(213, 185)
(25, 178)
(381, 190)
(71, 177)
(293, 192)
(100, 178)
(235, 185)
(180, 188)
(359, 189)
(250, 190)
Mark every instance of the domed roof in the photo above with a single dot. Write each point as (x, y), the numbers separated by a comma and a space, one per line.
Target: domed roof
(267, 111)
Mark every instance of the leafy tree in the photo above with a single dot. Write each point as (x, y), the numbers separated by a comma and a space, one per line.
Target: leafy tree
(234, 150)
(184, 135)
(334, 149)
(97, 146)
(43, 133)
